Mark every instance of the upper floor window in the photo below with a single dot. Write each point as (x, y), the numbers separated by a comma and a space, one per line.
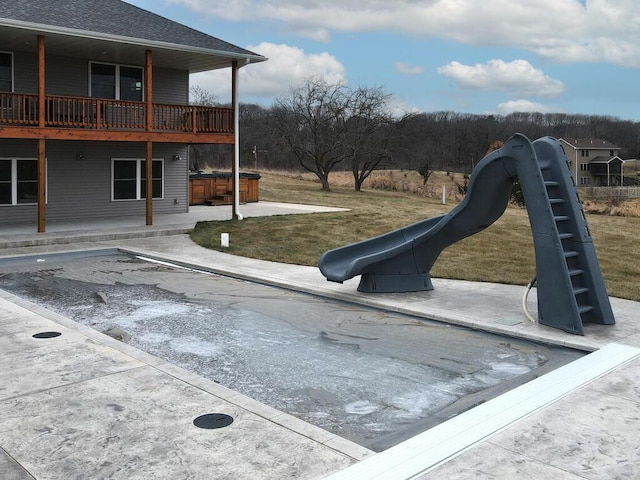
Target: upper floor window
(18, 181)
(118, 82)
(584, 153)
(612, 153)
(6, 72)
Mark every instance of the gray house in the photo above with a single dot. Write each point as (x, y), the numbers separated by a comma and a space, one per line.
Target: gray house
(94, 109)
(594, 162)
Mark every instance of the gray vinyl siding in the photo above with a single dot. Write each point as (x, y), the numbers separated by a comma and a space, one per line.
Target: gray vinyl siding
(66, 76)
(70, 76)
(25, 73)
(81, 188)
(63, 75)
(170, 86)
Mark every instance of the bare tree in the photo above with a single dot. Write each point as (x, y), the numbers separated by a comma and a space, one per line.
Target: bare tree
(369, 129)
(311, 124)
(202, 97)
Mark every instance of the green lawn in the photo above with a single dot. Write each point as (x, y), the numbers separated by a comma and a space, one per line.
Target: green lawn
(503, 253)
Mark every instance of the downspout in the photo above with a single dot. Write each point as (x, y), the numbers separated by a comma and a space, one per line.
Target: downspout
(235, 214)
(42, 173)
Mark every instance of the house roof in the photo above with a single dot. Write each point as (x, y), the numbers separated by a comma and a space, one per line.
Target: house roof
(604, 160)
(590, 143)
(114, 29)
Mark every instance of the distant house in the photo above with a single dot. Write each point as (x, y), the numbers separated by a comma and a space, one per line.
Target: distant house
(594, 162)
(94, 109)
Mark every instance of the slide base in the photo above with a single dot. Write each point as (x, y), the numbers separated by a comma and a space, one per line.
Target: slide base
(417, 282)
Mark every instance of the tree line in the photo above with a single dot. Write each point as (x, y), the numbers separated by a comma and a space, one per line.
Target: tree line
(321, 127)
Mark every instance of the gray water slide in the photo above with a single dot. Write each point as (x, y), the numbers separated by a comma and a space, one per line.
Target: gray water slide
(570, 285)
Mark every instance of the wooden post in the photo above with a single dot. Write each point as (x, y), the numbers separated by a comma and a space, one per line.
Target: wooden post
(148, 75)
(98, 114)
(148, 89)
(41, 82)
(41, 142)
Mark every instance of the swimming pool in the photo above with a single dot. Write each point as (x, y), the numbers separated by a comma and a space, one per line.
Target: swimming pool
(371, 376)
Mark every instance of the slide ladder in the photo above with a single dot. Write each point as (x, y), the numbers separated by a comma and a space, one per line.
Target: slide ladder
(571, 289)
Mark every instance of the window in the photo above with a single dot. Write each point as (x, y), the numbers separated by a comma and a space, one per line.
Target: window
(116, 81)
(129, 182)
(584, 153)
(6, 72)
(130, 84)
(585, 167)
(612, 153)
(584, 180)
(18, 181)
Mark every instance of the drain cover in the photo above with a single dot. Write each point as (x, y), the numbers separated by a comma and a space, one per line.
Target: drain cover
(211, 421)
(46, 335)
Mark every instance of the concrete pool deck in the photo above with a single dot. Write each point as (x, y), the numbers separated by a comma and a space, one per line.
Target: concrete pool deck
(112, 411)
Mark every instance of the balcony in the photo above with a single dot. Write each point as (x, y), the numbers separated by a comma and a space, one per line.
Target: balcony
(94, 114)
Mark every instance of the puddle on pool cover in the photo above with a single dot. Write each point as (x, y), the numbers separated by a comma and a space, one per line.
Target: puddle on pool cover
(373, 377)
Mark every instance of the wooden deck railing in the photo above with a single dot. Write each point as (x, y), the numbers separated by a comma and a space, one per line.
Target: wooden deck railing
(18, 109)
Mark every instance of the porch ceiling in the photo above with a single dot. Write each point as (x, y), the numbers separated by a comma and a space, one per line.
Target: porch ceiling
(118, 49)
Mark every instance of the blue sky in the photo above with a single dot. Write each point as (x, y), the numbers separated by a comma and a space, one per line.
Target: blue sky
(468, 56)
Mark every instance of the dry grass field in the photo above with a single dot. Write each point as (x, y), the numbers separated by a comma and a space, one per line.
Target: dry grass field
(503, 253)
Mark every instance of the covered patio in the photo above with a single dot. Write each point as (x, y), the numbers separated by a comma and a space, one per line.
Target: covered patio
(608, 172)
(125, 227)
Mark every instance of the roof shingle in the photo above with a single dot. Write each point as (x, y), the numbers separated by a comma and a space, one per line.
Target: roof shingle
(113, 18)
(590, 143)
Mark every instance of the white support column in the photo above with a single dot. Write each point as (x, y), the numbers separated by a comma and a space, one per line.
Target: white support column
(235, 213)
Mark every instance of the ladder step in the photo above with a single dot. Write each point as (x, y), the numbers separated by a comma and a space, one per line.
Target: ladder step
(584, 309)
(580, 291)
(575, 273)
(561, 218)
(566, 236)
(556, 201)
(551, 183)
(570, 254)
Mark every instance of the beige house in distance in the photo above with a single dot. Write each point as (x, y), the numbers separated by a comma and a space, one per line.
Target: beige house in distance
(594, 162)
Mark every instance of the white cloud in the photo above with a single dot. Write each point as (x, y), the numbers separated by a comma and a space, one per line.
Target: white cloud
(406, 69)
(399, 107)
(518, 77)
(525, 106)
(604, 31)
(286, 67)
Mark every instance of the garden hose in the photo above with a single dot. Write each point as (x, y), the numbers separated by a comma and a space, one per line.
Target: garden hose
(524, 299)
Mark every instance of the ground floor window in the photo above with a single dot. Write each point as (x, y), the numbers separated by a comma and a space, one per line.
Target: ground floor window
(584, 180)
(129, 179)
(18, 181)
